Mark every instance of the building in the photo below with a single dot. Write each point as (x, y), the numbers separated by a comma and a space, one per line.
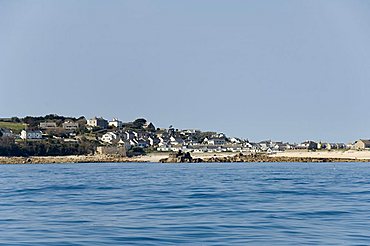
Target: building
(310, 145)
(129, 135)
(6, 133)
(115, 123)
(153, 141)
(149, 126)
(111, 150)
(110, 137)
(98, 122)
(141, 143)
(70, 125)
(28, 134)
(216, 141)
(48, 125)
(176, 140)
(362, 144)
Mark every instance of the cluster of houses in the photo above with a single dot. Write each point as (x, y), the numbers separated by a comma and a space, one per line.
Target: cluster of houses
(170, 139)
(68, 127)
(40, 132)
(115, 136)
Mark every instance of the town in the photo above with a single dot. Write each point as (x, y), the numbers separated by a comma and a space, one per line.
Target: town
(58, 135)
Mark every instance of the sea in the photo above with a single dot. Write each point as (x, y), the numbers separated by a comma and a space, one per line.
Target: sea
(185, 204)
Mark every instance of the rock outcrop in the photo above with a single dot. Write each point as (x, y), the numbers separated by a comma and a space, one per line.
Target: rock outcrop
(180, 157)
(266, 158)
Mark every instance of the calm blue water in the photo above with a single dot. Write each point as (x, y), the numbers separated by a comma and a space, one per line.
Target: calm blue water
(193, 204)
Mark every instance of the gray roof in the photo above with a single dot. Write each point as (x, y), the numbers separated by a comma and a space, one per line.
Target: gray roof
(367, 142)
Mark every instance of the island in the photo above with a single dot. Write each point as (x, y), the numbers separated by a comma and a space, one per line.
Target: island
(61, 139)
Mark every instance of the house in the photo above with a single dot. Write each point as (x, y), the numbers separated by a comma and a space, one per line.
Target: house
(138, 134)
(139, 143)
(362, 144)
(149, 126)
(6, 133)
(266, 144)
(341, 146)
(29, 134)
(153, 141)
(217, 141)
(111, 150)
(115, 123)
(98, 122)
(189, 131)
(110, 137)
(310, 145)
(48, 125)
(214, 141)
(278, 146)
(330, 146)
(176, 140)
(70, 125)
(163, 139)
(235, 140)
(128, 135)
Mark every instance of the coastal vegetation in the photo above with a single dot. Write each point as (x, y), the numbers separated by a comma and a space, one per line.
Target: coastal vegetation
(9, 147)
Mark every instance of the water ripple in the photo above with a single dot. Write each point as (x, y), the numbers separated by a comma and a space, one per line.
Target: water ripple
(197, 204)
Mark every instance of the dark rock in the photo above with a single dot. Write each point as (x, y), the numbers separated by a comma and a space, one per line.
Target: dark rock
(180, 157)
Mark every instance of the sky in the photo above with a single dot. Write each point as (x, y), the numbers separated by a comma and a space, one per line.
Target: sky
(287, 70)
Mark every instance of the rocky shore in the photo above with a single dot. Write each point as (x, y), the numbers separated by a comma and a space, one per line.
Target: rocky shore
(186, 157)
(178, 157)
(181, 157)
(65, 159)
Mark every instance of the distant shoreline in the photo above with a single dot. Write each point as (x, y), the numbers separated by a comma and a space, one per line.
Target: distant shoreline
(287, 156)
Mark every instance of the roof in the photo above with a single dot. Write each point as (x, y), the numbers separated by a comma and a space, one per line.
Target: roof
(5, 130)
(32, 131)
(367, 142)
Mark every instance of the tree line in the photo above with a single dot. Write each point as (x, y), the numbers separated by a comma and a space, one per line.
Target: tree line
(44, 148)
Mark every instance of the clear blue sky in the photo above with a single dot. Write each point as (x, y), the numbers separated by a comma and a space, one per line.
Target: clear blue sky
(286, 70)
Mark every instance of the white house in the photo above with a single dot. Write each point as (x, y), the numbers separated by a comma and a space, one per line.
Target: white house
(216, 141)
(235, 140)
(110, 137)
(28, 134)
(115, 123)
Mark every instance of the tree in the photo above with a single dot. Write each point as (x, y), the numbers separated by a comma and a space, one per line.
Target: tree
(15, 119)
(139, 123)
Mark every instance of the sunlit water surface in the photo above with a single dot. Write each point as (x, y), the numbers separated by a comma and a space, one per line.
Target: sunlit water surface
(191, 204)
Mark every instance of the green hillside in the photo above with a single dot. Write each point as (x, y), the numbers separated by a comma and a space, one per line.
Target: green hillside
(15, 127)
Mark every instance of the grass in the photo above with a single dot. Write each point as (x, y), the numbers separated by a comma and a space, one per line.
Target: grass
(15, 127)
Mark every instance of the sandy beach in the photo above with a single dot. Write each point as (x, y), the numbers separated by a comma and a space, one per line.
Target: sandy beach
(348, 154)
